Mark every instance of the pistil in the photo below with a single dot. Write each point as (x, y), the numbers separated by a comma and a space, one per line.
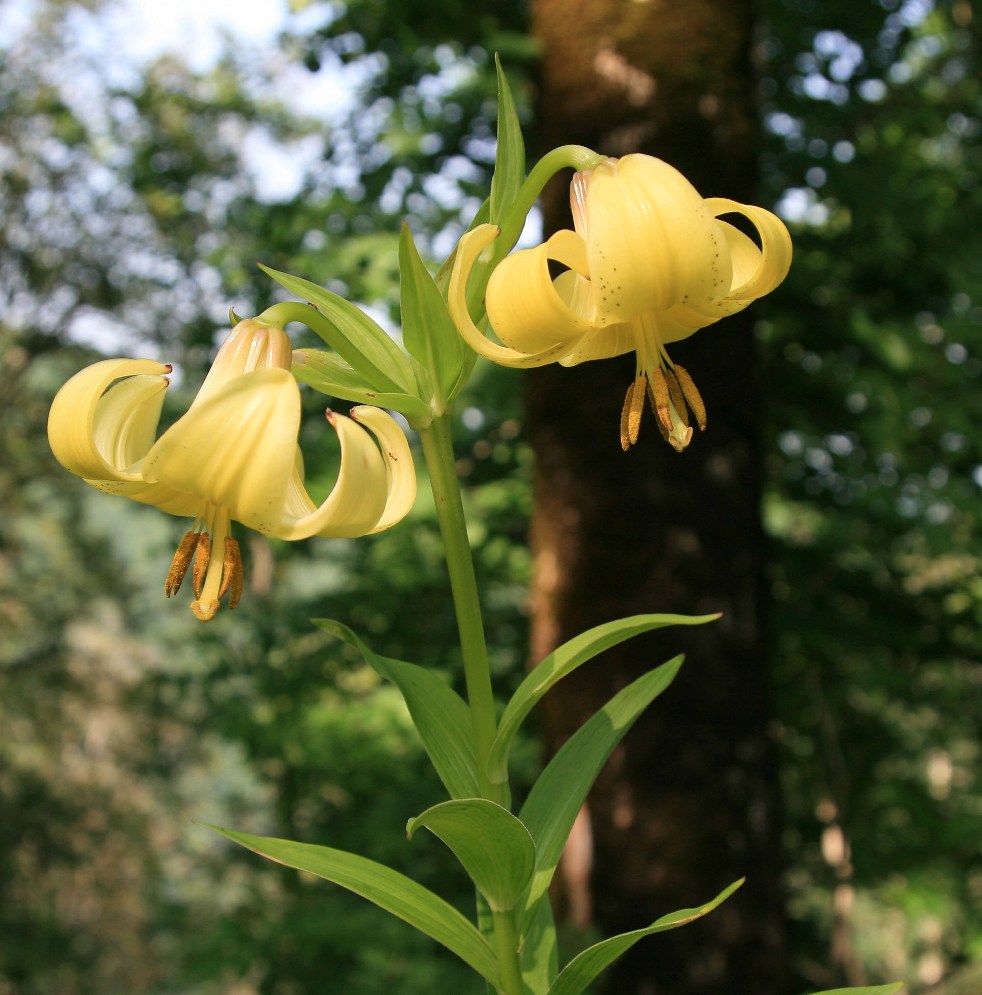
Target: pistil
(219, 576)
(211, 578)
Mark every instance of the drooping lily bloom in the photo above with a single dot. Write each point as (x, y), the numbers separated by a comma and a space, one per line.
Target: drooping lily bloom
(649, 263)
(232, 457)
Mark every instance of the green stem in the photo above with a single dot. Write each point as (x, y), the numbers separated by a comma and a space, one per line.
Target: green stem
(306, 314)
(577, 157)
(506, 947)
(438, 452)
(286, 311)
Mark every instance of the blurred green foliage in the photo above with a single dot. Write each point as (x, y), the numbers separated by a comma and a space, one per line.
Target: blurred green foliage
(872, 366)
(134, 208)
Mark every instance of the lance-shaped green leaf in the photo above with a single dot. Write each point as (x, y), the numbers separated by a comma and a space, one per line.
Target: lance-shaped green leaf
(466, 368)
(539, 955)
(438, 712)
(559, 792)
(427, 328)
(509, 163)
(585, 966)
(387, 888)
(562, 662)
(894, 986)
(330, 374)
(494, 848)
(353, 336)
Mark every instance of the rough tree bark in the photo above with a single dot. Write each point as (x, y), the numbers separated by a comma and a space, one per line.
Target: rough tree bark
(687, 805)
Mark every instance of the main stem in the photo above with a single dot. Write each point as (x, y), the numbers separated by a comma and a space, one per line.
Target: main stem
(506, 946)
(438, 452)
(439, 455)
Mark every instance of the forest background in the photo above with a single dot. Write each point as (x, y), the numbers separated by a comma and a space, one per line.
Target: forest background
(135, 202)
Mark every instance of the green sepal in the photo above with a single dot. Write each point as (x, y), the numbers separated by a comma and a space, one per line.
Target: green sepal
(493, 847)
(509, 163)
(387, 888)
(440, 715)
(353, 335)
(561, 788)
(585, 966)
(894, 986)
(560, 663)
(330, 374)
(428, 331)
(466, 368)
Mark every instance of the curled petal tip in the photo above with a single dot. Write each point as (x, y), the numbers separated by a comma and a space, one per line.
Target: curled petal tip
(400, 473)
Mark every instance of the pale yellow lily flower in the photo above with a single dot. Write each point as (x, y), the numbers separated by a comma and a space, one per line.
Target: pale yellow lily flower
(232, 457)
(649, 263)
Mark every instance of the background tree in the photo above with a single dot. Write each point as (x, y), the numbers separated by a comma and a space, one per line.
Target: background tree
(873, 502)
(690, 800)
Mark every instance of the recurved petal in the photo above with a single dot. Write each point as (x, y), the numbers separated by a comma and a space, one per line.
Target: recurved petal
(745, 256)
(99, 435)
(468, 250)
(531, 312)
(757, 270)
(358, 500)
(236, 449)
(652, 241)
(126, 418)
(770, 264)
(399, 469)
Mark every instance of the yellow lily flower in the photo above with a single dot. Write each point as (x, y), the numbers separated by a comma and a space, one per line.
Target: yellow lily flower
(232, 457)
(649, 263)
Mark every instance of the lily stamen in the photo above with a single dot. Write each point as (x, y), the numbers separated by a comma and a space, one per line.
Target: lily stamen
(660, 399)
(179, 565)
(201, 560)
(672, 395)
(673, 424)
(675, 394)
(631, 412)
(232, 573)
(692, 396)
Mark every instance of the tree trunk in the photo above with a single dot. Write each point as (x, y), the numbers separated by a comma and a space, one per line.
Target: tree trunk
(687, 804)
